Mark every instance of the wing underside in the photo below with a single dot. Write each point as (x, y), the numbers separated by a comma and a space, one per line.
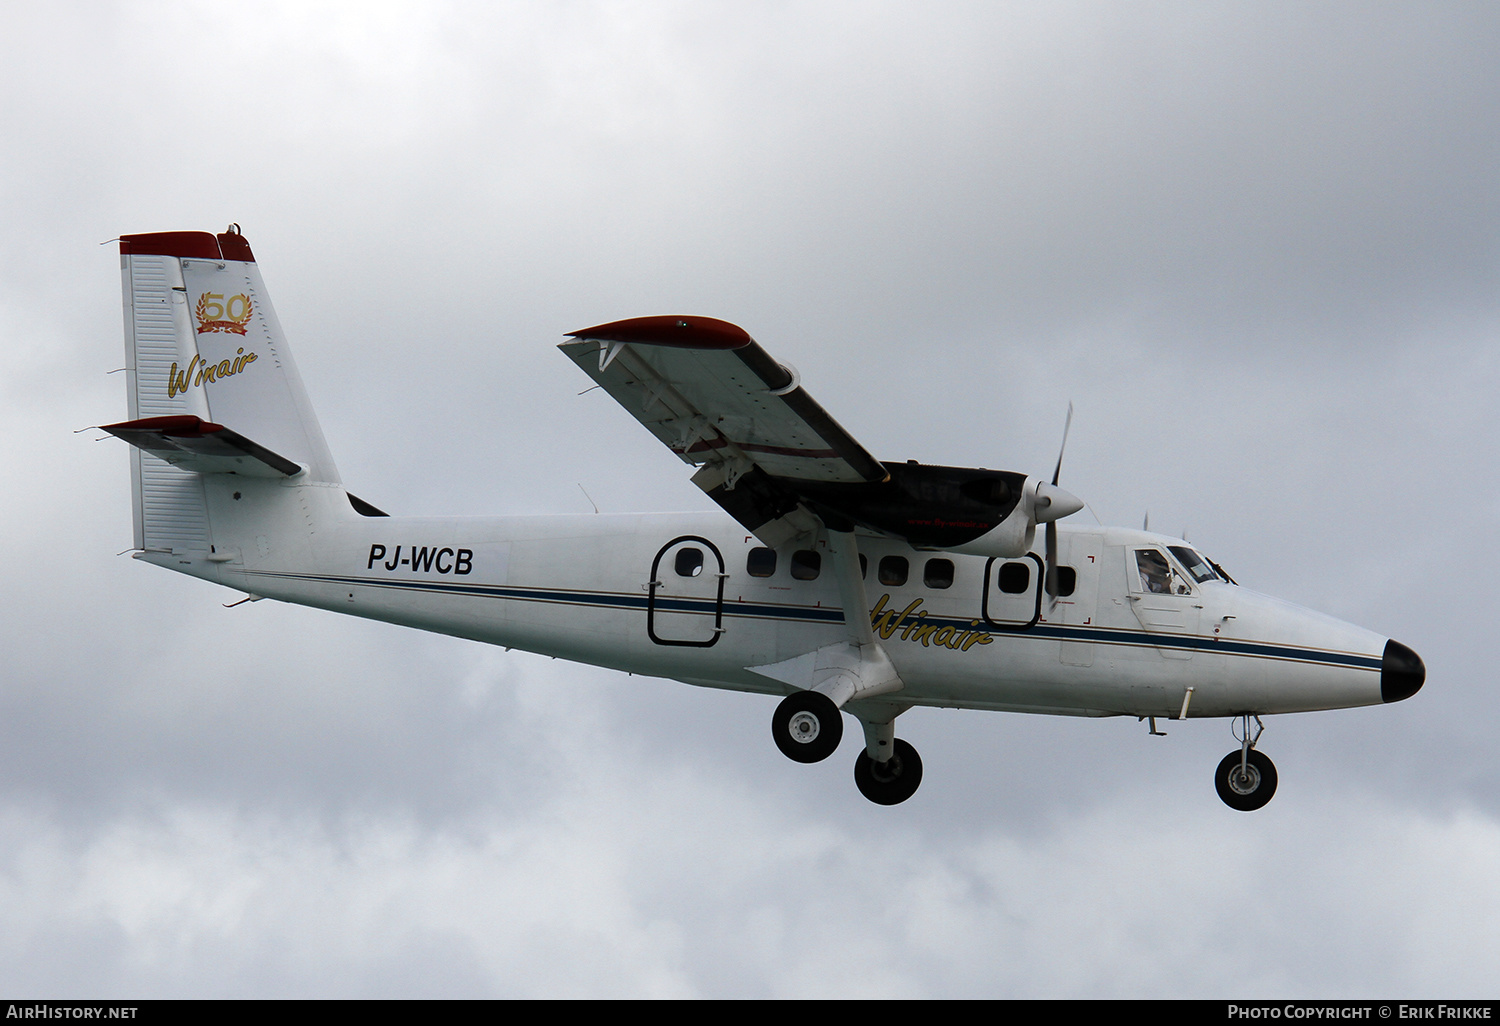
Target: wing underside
(714, 397)
(766, 451)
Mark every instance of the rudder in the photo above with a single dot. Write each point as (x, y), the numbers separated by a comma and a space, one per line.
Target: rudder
(202, 340)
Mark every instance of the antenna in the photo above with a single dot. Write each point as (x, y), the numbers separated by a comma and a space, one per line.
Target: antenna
(586, 495)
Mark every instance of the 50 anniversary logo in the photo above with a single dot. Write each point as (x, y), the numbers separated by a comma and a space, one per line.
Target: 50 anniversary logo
(214, 315)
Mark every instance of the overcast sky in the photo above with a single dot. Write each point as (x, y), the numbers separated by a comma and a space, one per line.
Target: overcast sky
(1256, 245)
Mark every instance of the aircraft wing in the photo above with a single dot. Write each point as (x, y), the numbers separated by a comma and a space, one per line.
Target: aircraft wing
(713, 396)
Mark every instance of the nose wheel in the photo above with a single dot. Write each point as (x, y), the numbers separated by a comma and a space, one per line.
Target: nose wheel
(890, 782)
(1246, 779)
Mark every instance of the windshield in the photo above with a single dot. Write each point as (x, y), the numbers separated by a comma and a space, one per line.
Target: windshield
(1200, 568)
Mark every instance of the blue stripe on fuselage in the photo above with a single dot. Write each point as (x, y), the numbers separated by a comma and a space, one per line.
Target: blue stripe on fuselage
(827, 614)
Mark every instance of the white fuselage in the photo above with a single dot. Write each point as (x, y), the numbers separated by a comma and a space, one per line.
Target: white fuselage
(781, 593)
(581, 588)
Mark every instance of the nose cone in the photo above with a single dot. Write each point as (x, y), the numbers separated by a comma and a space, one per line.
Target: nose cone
(1401, 672)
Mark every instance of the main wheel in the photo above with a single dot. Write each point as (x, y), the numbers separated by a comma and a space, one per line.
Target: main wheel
(1248, 791)
(807, 726)
(890, 782)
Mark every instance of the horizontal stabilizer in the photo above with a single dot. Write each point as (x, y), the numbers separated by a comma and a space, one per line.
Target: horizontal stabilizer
(194, 444)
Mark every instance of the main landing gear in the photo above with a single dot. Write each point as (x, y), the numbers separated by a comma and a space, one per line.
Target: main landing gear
(890, 782)
(807, 727)
(1246, 779)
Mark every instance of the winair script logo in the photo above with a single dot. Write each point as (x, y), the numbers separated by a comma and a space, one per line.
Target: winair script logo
(215, 314)
(911, 623)
(198, 372)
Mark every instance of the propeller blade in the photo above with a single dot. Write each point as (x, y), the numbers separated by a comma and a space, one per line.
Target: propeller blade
(1058, 505)
(1057, 471)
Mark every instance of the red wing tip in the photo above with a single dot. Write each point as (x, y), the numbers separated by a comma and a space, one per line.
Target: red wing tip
(198, 245)
(182, 426)
(678, 332)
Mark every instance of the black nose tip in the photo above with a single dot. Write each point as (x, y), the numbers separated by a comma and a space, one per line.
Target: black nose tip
(1401, 672)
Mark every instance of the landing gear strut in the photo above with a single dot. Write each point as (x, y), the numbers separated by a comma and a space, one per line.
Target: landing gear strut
(807, 726)
(1246, 779)
(890, 782)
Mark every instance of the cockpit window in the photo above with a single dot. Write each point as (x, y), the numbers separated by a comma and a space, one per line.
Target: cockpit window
(1157, 575)
(1201, 569)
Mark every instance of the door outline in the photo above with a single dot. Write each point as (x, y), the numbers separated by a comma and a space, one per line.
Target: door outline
(1176, 615)
(656, 582)
(984, 601)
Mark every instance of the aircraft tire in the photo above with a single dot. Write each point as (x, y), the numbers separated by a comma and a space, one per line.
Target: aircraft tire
(807, 726)
(891, 782)
(1246, 795)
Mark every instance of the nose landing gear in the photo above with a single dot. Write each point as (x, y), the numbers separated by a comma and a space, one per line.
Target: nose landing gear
(1246, 779)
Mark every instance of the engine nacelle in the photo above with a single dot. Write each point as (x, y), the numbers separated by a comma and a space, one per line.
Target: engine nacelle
(959, 509)
(1041, 503)
(1011, 538)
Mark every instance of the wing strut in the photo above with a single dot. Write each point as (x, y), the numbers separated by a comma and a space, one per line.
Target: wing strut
(875, 674)
(853, 670)
(845, 552)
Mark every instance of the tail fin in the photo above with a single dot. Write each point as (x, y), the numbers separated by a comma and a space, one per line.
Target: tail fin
(202, 341)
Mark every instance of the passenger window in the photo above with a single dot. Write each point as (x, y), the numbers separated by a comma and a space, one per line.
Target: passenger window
(1066, 581)
(1015, 578)
(938, 573)
(761, 562)
(892, 571)
(806, 564)
(689, 562)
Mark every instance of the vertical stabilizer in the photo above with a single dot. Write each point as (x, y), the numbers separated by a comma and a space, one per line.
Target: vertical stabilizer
(202, 340)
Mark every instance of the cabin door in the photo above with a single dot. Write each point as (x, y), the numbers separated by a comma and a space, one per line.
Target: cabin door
(1013, 593)
(685, 594)
(1077, 598)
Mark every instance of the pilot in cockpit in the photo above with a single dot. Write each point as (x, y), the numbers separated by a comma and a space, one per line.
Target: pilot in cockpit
(1156, 572)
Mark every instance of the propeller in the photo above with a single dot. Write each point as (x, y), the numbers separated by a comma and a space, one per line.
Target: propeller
(1052, 504)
